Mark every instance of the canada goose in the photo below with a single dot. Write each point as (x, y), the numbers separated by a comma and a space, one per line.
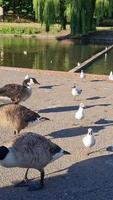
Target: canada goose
(18, 117)
(16, 93)
(30, 150)
(89, 139)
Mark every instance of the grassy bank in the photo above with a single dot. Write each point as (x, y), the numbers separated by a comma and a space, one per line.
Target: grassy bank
(38, 30)
(29, 28)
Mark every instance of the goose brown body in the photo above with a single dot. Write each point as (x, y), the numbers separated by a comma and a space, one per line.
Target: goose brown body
(30, 150)
(18, 117)
(16, 93)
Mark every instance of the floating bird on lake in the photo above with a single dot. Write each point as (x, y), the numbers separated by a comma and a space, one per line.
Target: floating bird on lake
(75, 91)
(89, 139)
(25, 52)
(30, 150)
(80, 112)
(16, 93)
(18, 117)
(82, 75)
(111, 76)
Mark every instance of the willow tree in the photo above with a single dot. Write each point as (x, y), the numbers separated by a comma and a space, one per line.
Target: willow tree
(110, 9)
(62, 13)
(82, 13)
(46, 11)
(102, 10)
(50, 12)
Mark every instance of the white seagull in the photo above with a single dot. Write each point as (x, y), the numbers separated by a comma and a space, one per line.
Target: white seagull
(82, 75)
(111, 76)
(76, 91)
(89, 139)
(78, 64)
(80, 112)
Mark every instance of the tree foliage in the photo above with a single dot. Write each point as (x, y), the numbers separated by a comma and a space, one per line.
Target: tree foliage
(82, 15)
(19, 7)
(46, 11)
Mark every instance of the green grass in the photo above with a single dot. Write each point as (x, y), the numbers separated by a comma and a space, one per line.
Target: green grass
(36, 28)
(101, 28)
(28, 28)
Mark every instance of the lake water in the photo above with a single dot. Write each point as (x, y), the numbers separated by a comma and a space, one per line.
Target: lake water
(102, 65)
(46, 54)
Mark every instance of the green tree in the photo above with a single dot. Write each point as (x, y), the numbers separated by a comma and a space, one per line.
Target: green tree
(50, 11)
(82, 13)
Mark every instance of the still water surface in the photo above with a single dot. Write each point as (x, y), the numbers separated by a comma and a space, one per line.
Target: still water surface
(103, 65)
(45, 54)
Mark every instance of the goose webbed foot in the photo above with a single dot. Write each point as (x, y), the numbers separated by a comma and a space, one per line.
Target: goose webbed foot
(35, 187)
(24, 182)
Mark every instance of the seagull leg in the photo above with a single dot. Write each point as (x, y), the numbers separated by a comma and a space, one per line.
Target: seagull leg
(15, 132)
(24, 182)
(34, 187)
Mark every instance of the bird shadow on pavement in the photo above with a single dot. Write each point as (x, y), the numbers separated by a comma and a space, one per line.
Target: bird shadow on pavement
(104, 122)
(48, 86)
(67, 108)
(58, 109)
(97, 80)
(103, 104)
(86, 179)
(73, 132)
(95, 98)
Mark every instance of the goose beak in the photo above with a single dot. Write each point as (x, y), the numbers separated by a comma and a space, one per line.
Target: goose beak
(43, 118)
(37, 82)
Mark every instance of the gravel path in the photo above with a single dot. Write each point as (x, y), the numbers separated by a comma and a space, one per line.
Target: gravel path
(78, 176)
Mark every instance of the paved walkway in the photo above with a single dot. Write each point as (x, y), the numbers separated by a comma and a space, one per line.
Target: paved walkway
(77, 176)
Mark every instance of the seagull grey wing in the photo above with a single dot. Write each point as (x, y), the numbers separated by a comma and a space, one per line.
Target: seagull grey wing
(79, 91)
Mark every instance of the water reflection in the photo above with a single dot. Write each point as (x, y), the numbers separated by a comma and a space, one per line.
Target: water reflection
(103, 65)
(43, 54)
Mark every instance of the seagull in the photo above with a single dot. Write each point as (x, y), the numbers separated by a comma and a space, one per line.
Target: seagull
(82, 75)
(89, 139)
(80, 112)
(75, 91)
(78, 64)
(111, 76)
